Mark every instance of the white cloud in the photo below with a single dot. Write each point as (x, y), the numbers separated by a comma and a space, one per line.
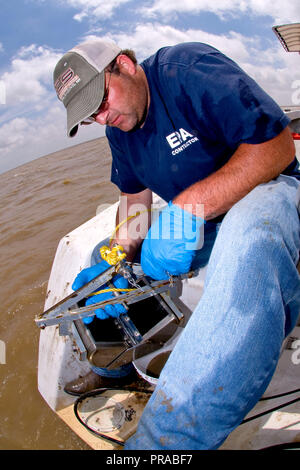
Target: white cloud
(162, 35)
(279, 11)
(228, 8)
(30, 75)
(95, 9)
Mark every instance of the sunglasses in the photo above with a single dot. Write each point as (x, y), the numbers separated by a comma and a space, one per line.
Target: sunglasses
(92, 118)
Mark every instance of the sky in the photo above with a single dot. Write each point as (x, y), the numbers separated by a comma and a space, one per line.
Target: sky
(36, 33)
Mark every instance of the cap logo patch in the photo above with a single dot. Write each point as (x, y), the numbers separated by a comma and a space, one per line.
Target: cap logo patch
(65, 83)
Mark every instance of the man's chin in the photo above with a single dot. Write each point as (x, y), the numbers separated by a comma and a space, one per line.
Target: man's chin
(129, 125)
(139, 124)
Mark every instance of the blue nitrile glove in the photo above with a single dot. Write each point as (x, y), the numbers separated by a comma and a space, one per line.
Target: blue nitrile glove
(170, 244)
(85, 276)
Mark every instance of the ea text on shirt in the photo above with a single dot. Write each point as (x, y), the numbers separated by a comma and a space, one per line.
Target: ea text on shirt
(180, 140)
(178, 137)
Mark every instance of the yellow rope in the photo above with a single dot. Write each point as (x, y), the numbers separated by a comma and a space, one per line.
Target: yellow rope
(111, 290)
(114, 255)
(125, 220)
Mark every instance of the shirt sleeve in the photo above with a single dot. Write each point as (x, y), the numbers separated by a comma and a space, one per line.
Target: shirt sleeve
(122, 174)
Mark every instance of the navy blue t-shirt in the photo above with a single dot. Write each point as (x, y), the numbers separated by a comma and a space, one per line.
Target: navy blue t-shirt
(203, 106)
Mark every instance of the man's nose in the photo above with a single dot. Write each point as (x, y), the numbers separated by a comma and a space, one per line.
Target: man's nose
(101, 117)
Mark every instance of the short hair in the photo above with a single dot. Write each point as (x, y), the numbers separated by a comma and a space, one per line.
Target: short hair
(113, 66)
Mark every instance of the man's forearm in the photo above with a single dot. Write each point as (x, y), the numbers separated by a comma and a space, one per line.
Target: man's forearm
(249, 166)
(132, 221)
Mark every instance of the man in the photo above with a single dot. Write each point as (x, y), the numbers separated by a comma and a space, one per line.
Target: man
(190, 125)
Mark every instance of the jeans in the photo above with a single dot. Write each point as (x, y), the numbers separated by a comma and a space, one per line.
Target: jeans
(226, 356)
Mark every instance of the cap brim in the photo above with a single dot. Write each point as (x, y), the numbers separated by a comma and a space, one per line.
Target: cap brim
(85, 103)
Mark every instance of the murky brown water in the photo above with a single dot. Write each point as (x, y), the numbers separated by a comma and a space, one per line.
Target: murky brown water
(40, 202)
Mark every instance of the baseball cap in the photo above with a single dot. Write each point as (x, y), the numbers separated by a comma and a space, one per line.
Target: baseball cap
(79, 79)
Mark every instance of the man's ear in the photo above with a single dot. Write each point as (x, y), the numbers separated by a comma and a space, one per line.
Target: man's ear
(125, 64)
